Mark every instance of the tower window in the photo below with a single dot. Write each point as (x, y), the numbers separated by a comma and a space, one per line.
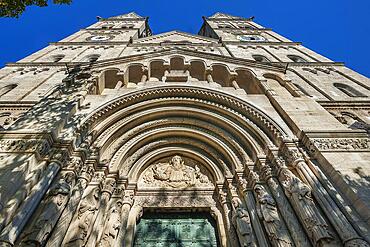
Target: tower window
(261, 59)
(297, 59)
(254, 38)
(127, 26)
(57, 58)
(92, 58)
(350, 91)
(7, 89)
(107, 27)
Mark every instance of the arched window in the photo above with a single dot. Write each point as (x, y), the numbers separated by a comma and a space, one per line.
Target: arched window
(297, 59)
(127, 26)
(260, 58)
(107, 27)
(92, 58)
(255, 38)
(7, 89)
(57, 58)
(350, 91)
(302, 89)
(243, 26)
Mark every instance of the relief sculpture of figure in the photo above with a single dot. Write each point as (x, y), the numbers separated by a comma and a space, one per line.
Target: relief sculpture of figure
(267, 211)
(300, 195)
(242, 223)
(112, 226)
(54, 204)
(175, 174)
(85, 216)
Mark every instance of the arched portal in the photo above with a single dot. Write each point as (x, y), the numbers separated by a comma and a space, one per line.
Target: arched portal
(176, 149)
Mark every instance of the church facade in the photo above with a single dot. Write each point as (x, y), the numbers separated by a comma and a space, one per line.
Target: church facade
(233, 137)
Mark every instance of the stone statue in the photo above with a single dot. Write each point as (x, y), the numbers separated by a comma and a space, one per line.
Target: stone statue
(85, 217)
(242, 223)
(300, 197)
(267, 212)
(56, 200)
(175, 174)
(112, 226)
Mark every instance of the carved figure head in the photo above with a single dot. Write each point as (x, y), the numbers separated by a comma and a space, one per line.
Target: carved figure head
(259, 189)
(236, 202)
(69, 177)
(177, 162)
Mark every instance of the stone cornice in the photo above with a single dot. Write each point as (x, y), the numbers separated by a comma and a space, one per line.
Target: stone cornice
(260, 43)
(91, 43)
(363, 104)
(123, 19)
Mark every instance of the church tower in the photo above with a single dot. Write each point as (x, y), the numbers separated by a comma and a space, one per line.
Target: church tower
(233, 137)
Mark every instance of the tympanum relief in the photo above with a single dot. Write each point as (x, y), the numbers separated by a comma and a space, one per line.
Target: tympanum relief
(176, 173)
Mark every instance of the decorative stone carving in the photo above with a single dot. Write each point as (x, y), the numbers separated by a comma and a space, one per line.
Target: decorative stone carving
(79, 230)
(174, 174)
(300, 197)
(268, 213)
(242, 223)
(112, 226)
(24, 145)
(342, 144)
(55, 202)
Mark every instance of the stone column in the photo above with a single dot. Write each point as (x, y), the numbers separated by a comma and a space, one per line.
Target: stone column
(347, 233)
(246, 189)
(229, 229)
(106, 193)
(144, 78)
(22, 192)
(61, 228)
(235, 84)
(12, 231)
(127, 202)
(49, 211)
(295, 228)
(299, 195)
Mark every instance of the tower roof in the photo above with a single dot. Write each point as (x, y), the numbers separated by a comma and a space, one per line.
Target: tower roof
(220, 15)
(131, 15)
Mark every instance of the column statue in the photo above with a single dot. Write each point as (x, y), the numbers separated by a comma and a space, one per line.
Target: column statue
(55, 202)
(79, 229)
(268, 213)
(242, 223)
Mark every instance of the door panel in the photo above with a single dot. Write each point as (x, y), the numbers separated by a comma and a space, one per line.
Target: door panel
(176, 230)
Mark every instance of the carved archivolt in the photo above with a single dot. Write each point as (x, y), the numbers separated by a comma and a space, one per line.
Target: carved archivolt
(220, 100)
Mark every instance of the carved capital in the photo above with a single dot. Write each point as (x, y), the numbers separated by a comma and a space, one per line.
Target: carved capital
(128, 197)
(293, 156)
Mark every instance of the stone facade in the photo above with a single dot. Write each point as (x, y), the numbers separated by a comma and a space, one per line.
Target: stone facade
(267, 136)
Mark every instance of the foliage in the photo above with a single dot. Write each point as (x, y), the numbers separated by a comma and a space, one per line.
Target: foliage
(14, 8)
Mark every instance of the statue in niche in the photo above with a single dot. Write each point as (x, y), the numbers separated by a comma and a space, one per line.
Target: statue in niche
(85, 217)
(112, 226)
(175, 174)
(300, 195)
(54, 204)
(242, 223)
(268, 213)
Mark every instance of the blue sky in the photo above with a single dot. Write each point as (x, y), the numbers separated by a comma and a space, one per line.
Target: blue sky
(337, 29)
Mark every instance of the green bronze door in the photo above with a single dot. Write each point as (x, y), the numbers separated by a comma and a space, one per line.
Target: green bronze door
(176, 230)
